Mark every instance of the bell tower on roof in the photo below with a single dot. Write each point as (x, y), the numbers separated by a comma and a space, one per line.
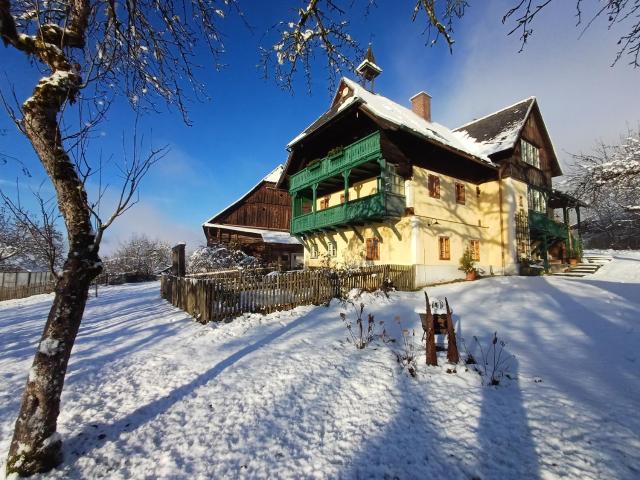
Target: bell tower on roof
(368, 70)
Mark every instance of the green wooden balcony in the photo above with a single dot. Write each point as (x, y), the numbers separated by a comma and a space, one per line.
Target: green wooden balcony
(541, 225)
(362, 151)
(371, 208)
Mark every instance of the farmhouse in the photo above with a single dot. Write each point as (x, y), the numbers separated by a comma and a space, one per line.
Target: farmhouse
(258, 224)
(374, 182)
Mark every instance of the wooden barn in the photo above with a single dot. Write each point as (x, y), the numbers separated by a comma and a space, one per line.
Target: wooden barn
(258, 224)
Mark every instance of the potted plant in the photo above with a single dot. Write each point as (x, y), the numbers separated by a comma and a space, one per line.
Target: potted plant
(467, 265)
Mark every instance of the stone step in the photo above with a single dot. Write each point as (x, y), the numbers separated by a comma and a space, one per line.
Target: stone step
(569, 274)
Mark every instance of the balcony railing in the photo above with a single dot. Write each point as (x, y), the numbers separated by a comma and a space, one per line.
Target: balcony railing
(374, 207)
(540, 224)
(362, 151)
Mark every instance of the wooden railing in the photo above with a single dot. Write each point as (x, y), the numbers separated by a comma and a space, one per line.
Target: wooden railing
(208, 299)
(372, 207)
(362, 151)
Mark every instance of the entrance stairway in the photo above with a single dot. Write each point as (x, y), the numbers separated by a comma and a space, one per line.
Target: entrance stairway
(590, 266)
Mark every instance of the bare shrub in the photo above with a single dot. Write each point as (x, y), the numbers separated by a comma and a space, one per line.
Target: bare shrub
(492, 362)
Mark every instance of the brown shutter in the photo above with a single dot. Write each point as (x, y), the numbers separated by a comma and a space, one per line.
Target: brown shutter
(445, 252)
(372, 249)
(434, 186)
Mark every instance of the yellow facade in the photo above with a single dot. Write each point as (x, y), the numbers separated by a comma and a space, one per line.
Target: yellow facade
(487, 215)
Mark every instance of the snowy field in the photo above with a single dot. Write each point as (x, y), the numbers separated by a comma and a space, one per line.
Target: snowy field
(152, 394)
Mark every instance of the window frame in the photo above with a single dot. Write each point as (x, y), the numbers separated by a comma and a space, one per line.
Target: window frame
(537, 200)
(313, 251)
(444, 254)
(332, 248)
(529, 153)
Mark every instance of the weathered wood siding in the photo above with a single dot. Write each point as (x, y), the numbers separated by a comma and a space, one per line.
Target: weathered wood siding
(265, 207)
(533, 132)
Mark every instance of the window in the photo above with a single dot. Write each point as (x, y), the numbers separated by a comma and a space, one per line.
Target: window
(474, 249)
(332, 248)
(529, 153)
(395, 183)
(341, 198)
(445, 248)
(460, 193)
(537, 200)
(324, 203)
(373, 249)
(313, 250)
(306, 205)
(434, 186)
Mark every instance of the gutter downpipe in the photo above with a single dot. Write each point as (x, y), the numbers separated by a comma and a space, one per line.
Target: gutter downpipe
(500, 170)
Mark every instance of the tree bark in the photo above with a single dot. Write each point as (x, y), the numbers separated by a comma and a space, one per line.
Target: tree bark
(36, 447)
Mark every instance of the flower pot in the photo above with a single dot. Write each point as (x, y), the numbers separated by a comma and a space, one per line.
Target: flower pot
(573, 262)
(471, 275)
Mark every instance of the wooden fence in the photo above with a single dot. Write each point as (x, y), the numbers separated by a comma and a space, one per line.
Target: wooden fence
(218, 298)
(12, 293)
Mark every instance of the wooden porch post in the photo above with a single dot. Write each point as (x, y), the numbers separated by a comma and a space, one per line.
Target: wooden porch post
(565, 217)
(545, 256)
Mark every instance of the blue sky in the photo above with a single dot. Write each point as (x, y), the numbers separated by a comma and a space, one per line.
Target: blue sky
(241, 134)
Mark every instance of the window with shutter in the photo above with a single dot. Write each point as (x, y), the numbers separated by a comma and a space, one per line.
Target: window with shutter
(372, 249)
(474, 248)
(434, 186)
(445, 249)
(460, 193)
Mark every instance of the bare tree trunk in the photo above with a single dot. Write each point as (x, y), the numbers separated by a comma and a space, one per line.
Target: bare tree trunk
(36, 447)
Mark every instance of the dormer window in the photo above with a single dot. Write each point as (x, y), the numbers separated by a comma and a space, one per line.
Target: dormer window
(529, 153)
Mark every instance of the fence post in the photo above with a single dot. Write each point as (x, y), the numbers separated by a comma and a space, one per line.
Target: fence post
(178, 267)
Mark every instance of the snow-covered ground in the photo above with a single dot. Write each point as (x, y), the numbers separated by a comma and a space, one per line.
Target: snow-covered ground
(152, 394)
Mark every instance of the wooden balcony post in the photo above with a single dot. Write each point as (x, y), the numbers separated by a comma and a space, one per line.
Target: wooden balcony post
(314, 188)
(345, 176)
(381, 176)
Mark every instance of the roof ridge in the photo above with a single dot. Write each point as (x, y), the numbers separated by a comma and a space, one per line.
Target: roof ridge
(532, 97)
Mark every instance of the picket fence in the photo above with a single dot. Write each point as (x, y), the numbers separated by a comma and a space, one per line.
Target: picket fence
(223, 297)
(24, 291)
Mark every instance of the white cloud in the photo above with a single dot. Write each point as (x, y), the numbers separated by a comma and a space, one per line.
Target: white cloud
(153, 222)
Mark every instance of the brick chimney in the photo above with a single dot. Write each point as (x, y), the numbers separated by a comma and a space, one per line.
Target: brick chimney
(421, 105)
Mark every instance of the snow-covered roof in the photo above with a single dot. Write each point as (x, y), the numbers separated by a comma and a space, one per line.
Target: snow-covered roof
(499, 130)
(268, 236)
(398, 115)
(272, 177)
